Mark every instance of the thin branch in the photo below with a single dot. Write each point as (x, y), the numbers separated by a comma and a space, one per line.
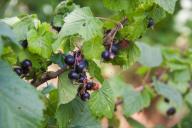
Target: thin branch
(111, 35)
(48, 76)
(146, 77)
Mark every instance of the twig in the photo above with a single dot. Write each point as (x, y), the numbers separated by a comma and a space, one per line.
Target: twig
(48, 76)
(146, 77)
(108, 39)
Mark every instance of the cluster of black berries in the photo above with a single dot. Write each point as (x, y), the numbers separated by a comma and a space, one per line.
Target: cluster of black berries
(110, 52)
(78, 66)
(24, 67)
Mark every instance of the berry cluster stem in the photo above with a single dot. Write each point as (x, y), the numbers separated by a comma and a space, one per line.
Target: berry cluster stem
(48, 76)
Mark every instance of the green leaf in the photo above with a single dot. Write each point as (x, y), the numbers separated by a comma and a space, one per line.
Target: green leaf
(93, 48)
(9, 55)
(75, 114)
(186, 121)
(82, 22)
(20, 102)
(10, 21)
(169, 92)
(135, 101)
(40, 41)
(101, 102)
(65, 112)
(63, 8)
(157, 14)
(129, 6)
(182, 87)
(1, 46)
(118, 86)
(95, 71)
(135, 29)
(49, 113)
(182, 75)
(58, 59)
(168, 5)
(127, 56)
(21, 27)
(6, 31)
(134, 123)
(64, 43)
(188, 98)
(150, 56)
(67, 90)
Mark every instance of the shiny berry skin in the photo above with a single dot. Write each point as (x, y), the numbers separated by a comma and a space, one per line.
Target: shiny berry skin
(89, 85)
(115, 48)
(24, 44)
(73, 75)
(106, 55)
(151, 23)
(69, 60)
(26, 64)
(81, 66)
(85, 96)
(18, 71)
(171, 111)
(82, 78)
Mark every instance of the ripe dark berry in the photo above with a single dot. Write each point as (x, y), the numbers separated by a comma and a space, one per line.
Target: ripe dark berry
(18, 71)
(166, 100)
(81, 66)
(73, 75)
(26, 64)
(24, 43)
(69, 60)
(85, 96)
(89, 85)
(82, 78)
(151, 23)
(171, 111)
(58, 29)
(106, 55)
(115, 48)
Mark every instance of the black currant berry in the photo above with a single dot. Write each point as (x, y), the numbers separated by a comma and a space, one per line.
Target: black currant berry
(171, 111)
(73, 75)
(151, 23)
(106, 55)
(81, 66)
(24, 44)
(69, 60)
(115, 48)
(166, 100)
(82, 78)
(89, 85)
(58, 29)
(26, 64)
(18, 71)
(85, 96)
